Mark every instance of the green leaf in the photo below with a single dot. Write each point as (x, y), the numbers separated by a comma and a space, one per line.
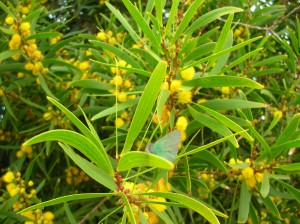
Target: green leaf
(70, 215)
(265, 185)
(189, 202)
(261, 140)
(73, 197)
(188, 16)
(211, 16)
(226, 121)
(124, 22)
(8, 107)
(272, 207)
(145, 105)
(171, 19)
(141, 159)
(90, 169)
(289, 130)
(7, 54)
(223, 52)
(290, 167)
(293, 191)
(212, 124)
(91, 83)
(7, 10)
(223, 38)
(84, 130)
(278, 149)
(45, 87)
(244, 204)
(78, 141)
(124, 56)
(269, 60)
(212, 159)
(222, 81)
(128, 208)
(44, 35)
(66, 65)
(231, 104)
(116, 108)
(141, 22)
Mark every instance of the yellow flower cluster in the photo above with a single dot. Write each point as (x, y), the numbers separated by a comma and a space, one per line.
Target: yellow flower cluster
(15, 185)
(122, 120)
(181, 124)
(19, 41)
(240, 33)
(75, 175)
(165, 115)
(251, 174)
(141, 202)
(57, 118)
(25, 150)
(108, 36)
(38, 217)
(5, 136)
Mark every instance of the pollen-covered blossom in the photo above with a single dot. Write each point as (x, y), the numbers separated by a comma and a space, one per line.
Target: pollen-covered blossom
(175, 85)
(187, 73)
(185, 97)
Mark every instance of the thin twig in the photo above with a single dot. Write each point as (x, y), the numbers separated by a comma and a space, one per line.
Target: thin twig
(267, 29)
(92, 211)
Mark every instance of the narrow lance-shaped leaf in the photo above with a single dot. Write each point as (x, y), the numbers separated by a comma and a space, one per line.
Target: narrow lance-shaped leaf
(145, 105)
(244, 204)
(140, 20)
(141, 159)
(78, 141)
(223, 81)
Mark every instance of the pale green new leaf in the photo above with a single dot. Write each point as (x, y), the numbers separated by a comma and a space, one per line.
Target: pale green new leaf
(142, 159)
(265, 185)
(7, 54)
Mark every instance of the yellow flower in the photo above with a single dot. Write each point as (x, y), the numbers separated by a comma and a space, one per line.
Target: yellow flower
(181, 123)
(84, 66)
(259, 177)
(101, 36)
(248, 172)
(122, 97)
(119, 122)
(165, 86)
(29, 66)
(127, 83)
(112, 41)
(9, 20)
(225, 90)
(15, 42)
(152, 218)
(185, 97)
(8, 177)
(30, 183)
(159, 207)
(12, 189)
(29, 215)
(19, 153)
(49, 216)
(25, 10)
(202, 100)
(175, 85)
(25, 26)
(188, 74)
(117, 80)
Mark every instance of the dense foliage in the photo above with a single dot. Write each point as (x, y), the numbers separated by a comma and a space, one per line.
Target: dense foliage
(86, 86)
